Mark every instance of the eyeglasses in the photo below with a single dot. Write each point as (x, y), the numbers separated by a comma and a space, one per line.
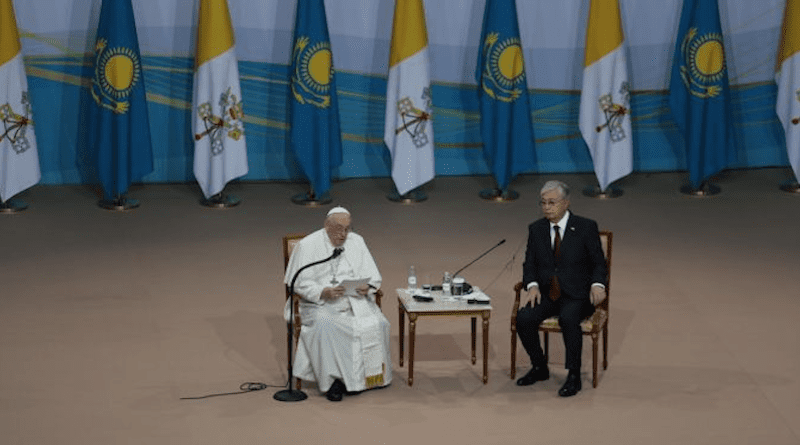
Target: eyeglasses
(339, 229)
(550, 203)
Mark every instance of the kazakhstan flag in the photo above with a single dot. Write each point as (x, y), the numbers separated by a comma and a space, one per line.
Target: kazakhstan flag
(118, 127)
(699, 94)
(315, 135)
(503, 91)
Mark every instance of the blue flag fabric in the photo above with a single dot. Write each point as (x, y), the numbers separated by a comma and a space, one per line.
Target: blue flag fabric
(118, 127)
(699, 95)
(315, 133)
(503, 92)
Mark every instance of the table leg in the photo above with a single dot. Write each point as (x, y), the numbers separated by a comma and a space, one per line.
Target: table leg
(474, 358)
(401, 337)
(485, 348)
(412, 332)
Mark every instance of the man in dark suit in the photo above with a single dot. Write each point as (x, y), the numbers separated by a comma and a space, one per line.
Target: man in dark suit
(565, 275)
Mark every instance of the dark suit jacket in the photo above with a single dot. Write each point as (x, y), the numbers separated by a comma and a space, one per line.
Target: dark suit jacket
(581, 262)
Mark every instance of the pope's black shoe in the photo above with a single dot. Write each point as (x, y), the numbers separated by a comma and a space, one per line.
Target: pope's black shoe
(571, 386)
(336, 391)
(536, 374)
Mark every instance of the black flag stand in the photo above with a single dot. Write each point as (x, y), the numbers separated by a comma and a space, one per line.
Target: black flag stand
(220, 201)
(310, 199)
(118, 203)
(706, 189)
(412, 196)
(610, 192)
(290, 394)
(12, 206)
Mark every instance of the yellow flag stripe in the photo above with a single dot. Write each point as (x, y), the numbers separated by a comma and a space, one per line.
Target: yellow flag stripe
(409, 34)
(9, 36)
(604, 31)
(214, 30)
(790, 36)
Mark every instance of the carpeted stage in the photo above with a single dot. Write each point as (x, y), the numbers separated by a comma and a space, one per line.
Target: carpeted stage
(107, 319)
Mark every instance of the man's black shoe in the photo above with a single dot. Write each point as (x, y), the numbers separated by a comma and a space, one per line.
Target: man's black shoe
(536, 374)
(571, 386)
(336, 391)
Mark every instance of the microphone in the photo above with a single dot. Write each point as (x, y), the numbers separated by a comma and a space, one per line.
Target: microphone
(481, 256)
(467, 287)
(289, 394)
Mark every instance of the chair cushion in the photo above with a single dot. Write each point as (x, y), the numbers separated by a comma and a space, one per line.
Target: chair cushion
(595, 321)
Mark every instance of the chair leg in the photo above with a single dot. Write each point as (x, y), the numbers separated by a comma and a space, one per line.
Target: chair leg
(594, 359)
(605, 346)
(546, 347)
(513, 352)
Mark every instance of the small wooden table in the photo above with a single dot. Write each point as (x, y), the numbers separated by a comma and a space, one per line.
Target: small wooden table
(441, 306)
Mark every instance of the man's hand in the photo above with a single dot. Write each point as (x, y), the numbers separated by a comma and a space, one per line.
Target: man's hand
(332, 293)
(598, 294)
(534, 294)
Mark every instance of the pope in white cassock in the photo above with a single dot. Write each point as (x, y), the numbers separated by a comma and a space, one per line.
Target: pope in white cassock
(344, 338)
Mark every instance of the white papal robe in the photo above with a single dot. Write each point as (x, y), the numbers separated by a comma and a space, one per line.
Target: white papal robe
(348, 338)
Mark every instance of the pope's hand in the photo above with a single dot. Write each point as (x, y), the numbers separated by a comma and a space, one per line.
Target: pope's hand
(332, 293)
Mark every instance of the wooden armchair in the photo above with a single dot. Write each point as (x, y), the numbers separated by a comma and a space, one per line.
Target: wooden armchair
(289, 241)
(591, 326)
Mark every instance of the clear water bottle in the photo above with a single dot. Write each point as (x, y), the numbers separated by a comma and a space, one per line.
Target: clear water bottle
(446, 283)
(412, 278)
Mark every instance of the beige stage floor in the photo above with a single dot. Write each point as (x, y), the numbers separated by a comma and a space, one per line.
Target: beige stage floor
(108, 319)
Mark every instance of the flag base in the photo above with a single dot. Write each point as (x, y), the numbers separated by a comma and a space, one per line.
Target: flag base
(498, 195)
(311, 200)
(13, 206)
(595, 192)
(119, 204)
(703, 191)
(791, 187)
(221, 201)
(290, 395)
(411, 197)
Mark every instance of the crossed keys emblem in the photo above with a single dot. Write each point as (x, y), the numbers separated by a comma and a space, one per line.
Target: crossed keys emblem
(14, 125)
(615, 113)
(215, 125)
(414, 119)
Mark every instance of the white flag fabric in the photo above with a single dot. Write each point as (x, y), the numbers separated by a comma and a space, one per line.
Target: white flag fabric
(605, 97)
(408, 130)
(220, 151)
(19, 157)
(787, 76)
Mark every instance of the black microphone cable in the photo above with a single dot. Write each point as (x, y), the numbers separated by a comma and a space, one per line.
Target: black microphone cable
(244, 388)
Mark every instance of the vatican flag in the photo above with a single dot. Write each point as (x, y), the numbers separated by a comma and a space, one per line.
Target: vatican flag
(787, 76)
(19, 158)
(408, 130)
(605, 121)
(220, 153)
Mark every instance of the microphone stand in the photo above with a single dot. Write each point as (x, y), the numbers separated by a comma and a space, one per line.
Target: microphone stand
(476, 259)
(290, 394)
